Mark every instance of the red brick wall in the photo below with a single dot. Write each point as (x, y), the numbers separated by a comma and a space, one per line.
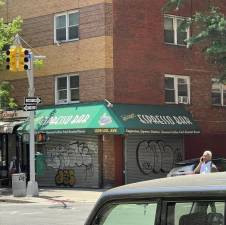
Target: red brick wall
(141, 58)
(108, 160)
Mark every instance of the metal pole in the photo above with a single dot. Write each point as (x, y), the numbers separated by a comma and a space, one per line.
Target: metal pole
(32, 187)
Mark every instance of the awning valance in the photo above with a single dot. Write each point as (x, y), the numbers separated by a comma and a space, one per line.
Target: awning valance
(97, 118)
(76, 118)
(155, 119)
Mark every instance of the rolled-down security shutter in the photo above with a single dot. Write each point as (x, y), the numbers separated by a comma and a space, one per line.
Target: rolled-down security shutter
(151, 157)
(71, 160)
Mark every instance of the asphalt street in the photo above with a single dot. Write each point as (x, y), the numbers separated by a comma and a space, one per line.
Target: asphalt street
(44, 214)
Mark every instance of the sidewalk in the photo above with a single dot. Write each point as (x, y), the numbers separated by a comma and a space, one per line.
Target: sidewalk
(54, 195)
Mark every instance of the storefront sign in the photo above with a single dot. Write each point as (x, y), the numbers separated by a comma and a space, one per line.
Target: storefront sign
(64, 120)
(13, 114)
(168, 120)
(143, 131)
(106, 130)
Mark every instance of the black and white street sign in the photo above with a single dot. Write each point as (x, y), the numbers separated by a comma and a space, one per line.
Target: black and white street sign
(30, 107)
(32, 100)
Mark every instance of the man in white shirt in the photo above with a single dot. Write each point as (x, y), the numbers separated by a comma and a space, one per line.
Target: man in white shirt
(206, 165)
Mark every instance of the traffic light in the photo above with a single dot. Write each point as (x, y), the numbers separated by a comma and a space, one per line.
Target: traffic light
(11, 59)
(27, 59)
(24, 59)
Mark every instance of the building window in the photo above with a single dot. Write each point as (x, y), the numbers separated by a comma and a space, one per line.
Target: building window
(218, 93)
(67, 89)
(66, 26)
(177, 89)
(173, 35)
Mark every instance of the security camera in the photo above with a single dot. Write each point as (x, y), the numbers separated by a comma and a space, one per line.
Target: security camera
(109, 104)
(58, 43)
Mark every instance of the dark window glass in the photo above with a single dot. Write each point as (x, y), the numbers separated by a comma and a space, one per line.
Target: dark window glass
(61, 28)
(182, 87)
(75, 95)
(74, 81)
(169, 89)
(73, 19)
(196, 212)
(62, 83)
(181, 34)
(61, 21)
(169, 96)
(168, 30)
(216, 98)
(73, 32)
(61, 34)
(216, 93)
(62, 95)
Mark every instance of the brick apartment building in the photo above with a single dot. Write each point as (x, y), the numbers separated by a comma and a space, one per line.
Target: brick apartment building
(123, 98)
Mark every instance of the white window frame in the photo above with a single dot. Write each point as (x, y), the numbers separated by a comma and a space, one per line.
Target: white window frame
(68, 100)
(175, 18)
(175, 79)
(221, 87)
(66, 14)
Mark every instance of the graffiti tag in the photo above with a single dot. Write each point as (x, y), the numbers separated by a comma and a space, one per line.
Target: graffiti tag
(74, 154)
(156, 156)
(65, 177)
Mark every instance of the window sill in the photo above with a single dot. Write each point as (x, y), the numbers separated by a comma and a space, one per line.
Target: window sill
(175, 45)
(66, 41)
(66, 103)
(175, 103)
(217, 106)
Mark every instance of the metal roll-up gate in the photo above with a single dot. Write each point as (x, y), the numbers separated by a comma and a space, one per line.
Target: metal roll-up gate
(71, 161)
(151, 157)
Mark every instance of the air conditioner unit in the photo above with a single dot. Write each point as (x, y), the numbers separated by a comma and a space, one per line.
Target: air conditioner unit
(183, 99)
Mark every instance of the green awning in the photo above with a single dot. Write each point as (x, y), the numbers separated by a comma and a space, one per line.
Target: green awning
(155, 119)
(97, 118)
(76, 118)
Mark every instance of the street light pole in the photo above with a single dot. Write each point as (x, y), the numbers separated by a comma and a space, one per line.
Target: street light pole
(32, 186)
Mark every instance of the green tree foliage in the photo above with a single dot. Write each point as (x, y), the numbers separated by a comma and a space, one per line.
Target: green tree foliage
(209, 32)
(7, 34)
(6, 102)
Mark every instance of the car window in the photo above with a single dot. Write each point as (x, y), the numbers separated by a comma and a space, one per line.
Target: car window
(128, 214)
(195, 213)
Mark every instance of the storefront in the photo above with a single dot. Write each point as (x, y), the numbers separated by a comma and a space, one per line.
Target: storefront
(154, 138)
(81, 148)
(74, 146)
(10, 141)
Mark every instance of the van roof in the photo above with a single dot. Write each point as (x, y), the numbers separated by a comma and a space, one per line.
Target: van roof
(188, 185)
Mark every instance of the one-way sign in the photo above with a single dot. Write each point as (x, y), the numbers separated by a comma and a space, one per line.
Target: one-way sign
(32, 100)
(30, 107)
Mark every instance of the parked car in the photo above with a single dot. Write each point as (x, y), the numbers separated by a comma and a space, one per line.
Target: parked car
(188, 166)
(181, 200)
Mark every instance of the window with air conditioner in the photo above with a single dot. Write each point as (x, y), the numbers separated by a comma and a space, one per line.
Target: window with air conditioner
(67, 89)
(218, 93)
(177, 89)
(172, 32)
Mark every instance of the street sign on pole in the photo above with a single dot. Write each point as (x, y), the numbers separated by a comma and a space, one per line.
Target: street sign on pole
(32, 185)
(32, 100)
(30, 107)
